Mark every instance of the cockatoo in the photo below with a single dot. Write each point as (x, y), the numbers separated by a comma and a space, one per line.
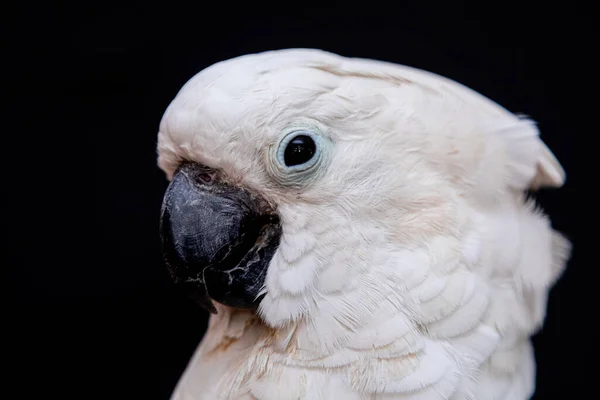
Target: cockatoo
(358, 230)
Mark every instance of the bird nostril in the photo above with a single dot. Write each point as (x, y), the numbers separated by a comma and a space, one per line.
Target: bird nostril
(205, 178)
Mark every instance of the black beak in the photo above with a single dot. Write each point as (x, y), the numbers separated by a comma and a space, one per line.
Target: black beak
(218, 239)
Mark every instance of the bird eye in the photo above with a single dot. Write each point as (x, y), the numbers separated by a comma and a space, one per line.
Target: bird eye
(297, 157)
(299, 150)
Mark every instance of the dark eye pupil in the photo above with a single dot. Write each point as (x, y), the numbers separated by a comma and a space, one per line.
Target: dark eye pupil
(299, 150)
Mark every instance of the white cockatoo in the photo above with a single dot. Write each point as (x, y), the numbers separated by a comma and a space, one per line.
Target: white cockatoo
(358, 230)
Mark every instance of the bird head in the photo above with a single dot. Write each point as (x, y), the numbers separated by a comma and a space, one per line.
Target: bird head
(303, 183)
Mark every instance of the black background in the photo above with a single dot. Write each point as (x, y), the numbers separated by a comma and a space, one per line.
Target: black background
(89, 309)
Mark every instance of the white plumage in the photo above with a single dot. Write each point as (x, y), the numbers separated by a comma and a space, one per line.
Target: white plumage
(411, 266)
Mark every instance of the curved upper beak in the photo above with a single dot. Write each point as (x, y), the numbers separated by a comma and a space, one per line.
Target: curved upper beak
(218, 239)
